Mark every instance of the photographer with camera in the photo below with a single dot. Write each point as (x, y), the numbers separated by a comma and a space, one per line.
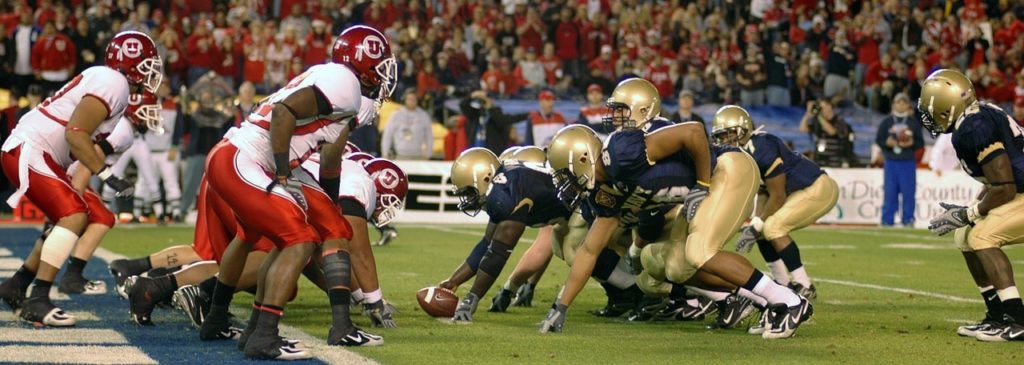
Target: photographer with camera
(832, 136)
(486, 124)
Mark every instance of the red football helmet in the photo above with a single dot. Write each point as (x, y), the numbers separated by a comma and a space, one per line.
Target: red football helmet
(361, 157)
(144, 110)
(134, 55)
(350, 148)
(367, 52)
(392, 185)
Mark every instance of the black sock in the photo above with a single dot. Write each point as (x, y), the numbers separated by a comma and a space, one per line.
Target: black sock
(207, 286)
(767, 250)
(340, 299)
(791, 256)
(222, 294)
(75, 266)
(992, 304)
(678, 292)
(754, 279)
(255, 316)
(23, 278)
(1015, 308)
(40, 289)
(139, 265)
(605, 265)
(269, 317)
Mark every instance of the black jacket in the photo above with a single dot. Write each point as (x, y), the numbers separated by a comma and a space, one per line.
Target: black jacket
(498, 125)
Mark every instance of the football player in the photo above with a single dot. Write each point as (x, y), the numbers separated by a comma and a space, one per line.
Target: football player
(989, 144)
(49, 138)
(315, 110)
(515, 195)
(799, 193)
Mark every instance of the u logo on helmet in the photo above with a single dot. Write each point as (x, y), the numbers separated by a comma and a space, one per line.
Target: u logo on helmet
(372, 46)
(135, 99)
(388, 178)
(131, 48)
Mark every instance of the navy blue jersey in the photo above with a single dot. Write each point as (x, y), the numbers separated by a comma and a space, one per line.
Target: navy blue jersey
(774, 158)
(526, 194)
(985, 133)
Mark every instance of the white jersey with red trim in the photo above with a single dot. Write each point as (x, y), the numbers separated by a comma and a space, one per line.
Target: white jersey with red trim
(338, 85)
(120, 139)
(355, 182)
(43, 127)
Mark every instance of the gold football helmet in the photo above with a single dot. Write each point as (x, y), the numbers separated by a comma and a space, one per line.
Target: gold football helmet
(506, 155)
(532, 154)
(574, 154)
(732, 126)
(634, 102)
(945, 94)
(472, 174)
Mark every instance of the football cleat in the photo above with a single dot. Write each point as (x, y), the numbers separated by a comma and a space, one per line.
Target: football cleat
(464, 312)
(524, 296)
(41, 310)
(686, 310)
(214, 327)
(645, 309)
(620, 301)
(76, 284)
(501, 301)
(357, 337)
(758, 327)
(783, 321)
(268, 346)
(972, 330)
(11, 295)
(387, 234)
(731, 311)
(191, 301)
(809, 292)
(120, 270)
(381, 314)
(1009, 331)
(143, 295)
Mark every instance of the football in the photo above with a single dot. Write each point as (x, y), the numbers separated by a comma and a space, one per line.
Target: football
(906, 136)
(437, 302)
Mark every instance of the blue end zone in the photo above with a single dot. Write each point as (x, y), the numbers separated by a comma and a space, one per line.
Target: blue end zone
(172, 340)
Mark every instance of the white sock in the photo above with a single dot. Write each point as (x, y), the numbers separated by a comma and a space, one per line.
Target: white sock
(775, 293)
(713, 295)
(621, 278)
(800, 276)
(358, 296)
(985, 289)
(374, 296)
(509, 286)
(757, 299)
(779, 272)
(1008, 293)
(693, 302)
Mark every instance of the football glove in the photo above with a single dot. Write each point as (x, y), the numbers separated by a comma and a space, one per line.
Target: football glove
(381, 314)
(555, 319)
(633, 263)
(954, 217)
(748, 237)
(122, 187)
(464, 313)
(693, 200)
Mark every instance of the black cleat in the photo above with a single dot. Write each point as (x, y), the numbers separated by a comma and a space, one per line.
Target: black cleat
(143, 295)
(683, 310)
(620, 301)
(356, 337)
(190, 300)
(76, 284)
(524, 296)
(731, 311)
(214, 326)
(501, 301)
(645, 309)
(1009, 330)
(41, 310)
(809, 292)
(121, 271)
(783, 321)
(11, 294)
(972, 330)
(267, 345)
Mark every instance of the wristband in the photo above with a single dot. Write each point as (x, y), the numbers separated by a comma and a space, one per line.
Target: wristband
(633, 250)
(757, 223)
(105, 173)
(704, 184)
(105, 147)
(972, 213)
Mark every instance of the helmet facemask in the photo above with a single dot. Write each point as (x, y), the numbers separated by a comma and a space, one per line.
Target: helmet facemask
(152, 70)
(388, 206)
(930, 123)
(471, 201)
(734, 136)
(148, 115)
(387, 77)
(619, 116)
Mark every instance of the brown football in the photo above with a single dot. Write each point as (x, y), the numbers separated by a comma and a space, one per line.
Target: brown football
(437, 302)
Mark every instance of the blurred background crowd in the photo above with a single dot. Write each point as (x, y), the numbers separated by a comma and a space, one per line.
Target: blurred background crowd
(499, 73)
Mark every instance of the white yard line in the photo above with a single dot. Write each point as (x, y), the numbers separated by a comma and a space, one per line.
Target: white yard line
(468, 232)
(103, 354)
(855, 284)
(319, 348)
(883, 234)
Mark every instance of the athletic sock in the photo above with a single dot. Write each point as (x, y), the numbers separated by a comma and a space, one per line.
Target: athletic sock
(40, 289)
(166, 285)
(222, 294)
(758, 300)
(678, 292)
(713, 295)
(374, 296)
(139, 265)
(254, 317)
(770, 290)
(1011, 303)
(791, 257)
(992, 304)
(75, 266)
(511, 287)
(269, 318)
(207, 286)
(340, 299)
(23, 278)
(358, 296)
(779, 271)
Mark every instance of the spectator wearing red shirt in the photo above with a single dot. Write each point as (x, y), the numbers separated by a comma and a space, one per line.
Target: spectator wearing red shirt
(203, 54)
(658, 74)
(876, 73)
(53, 58)
(567, 40)
(593, 113)
(542, 125)
(531, 31)
(255, 64)
(594, 35)
(866, 42)
(491, 80)
(604, 65)
(316, 44)
(552, 64)
(427, 82)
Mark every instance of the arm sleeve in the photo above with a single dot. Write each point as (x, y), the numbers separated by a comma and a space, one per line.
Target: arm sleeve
(337, 88)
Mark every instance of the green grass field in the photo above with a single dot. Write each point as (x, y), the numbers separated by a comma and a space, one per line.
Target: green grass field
(885, 296)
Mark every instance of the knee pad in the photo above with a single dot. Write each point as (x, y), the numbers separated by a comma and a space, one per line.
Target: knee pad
(960, 238)
(473, 260)
(494, 260)
(338, 269)
(57, 246)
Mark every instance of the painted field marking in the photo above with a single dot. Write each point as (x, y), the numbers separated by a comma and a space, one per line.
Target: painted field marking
(918, 246)
(63, 336)
(827, 247)
(4, 274)
(10, 263)
(8, 316)
(951, 298)
(884, 234)
(5, 252)
(73, 354)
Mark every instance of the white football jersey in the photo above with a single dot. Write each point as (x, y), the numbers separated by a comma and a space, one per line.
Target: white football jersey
(338, 84)
(120, 139)
(355, 182)
(43, 127)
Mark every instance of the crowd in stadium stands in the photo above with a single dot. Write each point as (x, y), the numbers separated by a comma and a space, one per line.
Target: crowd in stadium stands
(751, 52)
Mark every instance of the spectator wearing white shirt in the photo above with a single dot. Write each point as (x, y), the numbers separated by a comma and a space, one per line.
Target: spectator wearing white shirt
(943, 156)
(408, 134)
